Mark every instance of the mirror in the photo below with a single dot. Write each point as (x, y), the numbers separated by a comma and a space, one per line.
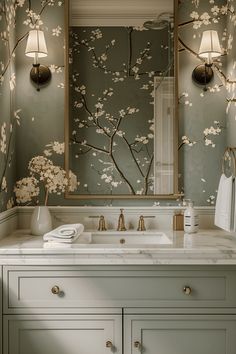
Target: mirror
(121, 98)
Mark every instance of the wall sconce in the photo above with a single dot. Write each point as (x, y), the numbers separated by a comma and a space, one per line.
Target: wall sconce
(36, 48)
(209, 49)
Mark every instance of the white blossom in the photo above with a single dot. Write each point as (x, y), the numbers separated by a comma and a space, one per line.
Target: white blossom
(12, 81)
(3, 139)
(26, 189)
(73, 182)
(4, 184)
(56, 31)
(10, 203)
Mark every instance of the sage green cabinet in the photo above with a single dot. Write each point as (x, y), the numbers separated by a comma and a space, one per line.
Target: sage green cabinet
(119, 309)
(78, 334)
(180, 334)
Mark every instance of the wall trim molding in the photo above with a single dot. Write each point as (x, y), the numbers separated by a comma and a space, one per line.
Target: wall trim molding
(117, 12)
(207, 210)
(8, 214)
(8, 221)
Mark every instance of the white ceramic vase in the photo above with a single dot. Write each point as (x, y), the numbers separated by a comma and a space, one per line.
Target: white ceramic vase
(41, 221)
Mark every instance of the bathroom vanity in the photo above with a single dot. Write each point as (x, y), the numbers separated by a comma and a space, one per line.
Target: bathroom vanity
(96, 298)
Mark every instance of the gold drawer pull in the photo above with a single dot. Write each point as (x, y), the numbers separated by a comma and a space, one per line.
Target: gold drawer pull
(138, 345)
(55, 290)
(109, 344)
(187, 290)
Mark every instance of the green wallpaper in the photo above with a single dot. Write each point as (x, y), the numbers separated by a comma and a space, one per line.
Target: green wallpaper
(231, 84)
(112, 72)
(204, 123)
(8, 114)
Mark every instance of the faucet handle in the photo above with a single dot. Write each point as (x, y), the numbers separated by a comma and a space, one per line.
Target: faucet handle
(101, 223)
(141, 224)
(121, 221)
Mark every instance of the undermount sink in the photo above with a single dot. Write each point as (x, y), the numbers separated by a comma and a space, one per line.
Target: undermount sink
(138, 238)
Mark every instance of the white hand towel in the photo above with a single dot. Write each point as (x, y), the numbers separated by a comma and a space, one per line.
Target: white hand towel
(52, 239)
(56, 245)
(223, 211)
(65, 233)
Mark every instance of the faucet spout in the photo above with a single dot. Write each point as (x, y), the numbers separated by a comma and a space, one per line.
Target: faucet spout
(121, 221)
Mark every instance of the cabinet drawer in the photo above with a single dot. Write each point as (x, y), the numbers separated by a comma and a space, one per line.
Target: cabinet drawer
(69, 288)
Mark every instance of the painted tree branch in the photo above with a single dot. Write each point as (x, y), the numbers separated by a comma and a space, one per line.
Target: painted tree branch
(126, 72)
(147, 175)
(74, 140)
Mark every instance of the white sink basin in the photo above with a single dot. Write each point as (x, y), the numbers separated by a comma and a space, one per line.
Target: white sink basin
(133, 238)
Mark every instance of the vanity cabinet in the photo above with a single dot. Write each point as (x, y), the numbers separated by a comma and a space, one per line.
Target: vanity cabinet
(121, 309)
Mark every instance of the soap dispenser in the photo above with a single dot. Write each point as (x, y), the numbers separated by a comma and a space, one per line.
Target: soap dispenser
(191, 218)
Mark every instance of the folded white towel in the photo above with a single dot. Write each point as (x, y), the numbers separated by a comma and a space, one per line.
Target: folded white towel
(224, 212)
(65, 233)
(55, 245)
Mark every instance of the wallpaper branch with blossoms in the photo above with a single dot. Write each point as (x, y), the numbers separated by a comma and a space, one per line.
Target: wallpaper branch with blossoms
(29, 121)
(11, 39)
(112, 105)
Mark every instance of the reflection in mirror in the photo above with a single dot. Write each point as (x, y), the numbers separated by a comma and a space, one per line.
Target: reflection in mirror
(121, 123)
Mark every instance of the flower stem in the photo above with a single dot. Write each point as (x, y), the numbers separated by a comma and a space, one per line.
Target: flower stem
(46, 197)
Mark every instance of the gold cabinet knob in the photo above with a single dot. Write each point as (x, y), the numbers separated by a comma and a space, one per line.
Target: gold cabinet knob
(187, 290)
(109, 344)
(137, 345)
(55, 290)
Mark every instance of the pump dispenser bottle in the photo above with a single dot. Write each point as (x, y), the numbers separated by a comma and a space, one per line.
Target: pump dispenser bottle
(191, 218)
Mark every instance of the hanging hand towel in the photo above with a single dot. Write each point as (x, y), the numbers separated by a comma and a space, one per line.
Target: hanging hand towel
(224, 212)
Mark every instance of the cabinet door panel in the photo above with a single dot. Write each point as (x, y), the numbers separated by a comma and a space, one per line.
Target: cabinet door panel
(62, 335)
(180, 334)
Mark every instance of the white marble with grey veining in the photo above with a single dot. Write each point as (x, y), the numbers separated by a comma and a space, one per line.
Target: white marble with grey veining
(207, 247)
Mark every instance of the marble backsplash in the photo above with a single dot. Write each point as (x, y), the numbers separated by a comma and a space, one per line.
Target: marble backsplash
(19, 217)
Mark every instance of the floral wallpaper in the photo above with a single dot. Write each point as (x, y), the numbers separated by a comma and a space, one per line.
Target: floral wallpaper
(230, 78)
(8, 114)
(32, 123)
(112, 71)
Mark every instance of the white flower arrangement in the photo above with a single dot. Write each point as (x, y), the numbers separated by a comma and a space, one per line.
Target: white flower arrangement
(43, 173)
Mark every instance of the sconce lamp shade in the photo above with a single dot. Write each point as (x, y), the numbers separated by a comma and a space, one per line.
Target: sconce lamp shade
(210, 45)
(36, 48)
(36, 44)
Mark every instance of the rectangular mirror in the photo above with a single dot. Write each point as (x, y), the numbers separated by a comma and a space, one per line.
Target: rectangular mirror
(121, 124)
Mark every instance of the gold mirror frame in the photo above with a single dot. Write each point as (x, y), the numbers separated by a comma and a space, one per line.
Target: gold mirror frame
(176, 193)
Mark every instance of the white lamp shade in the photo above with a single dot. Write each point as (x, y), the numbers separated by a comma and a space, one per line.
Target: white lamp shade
(36, 44)
(210, 45)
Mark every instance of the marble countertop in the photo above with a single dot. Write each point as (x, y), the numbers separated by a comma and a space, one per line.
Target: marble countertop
(207, 247)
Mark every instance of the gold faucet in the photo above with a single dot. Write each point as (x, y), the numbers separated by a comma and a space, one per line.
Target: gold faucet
(141, 225)
(101, 223)
(121, 221)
